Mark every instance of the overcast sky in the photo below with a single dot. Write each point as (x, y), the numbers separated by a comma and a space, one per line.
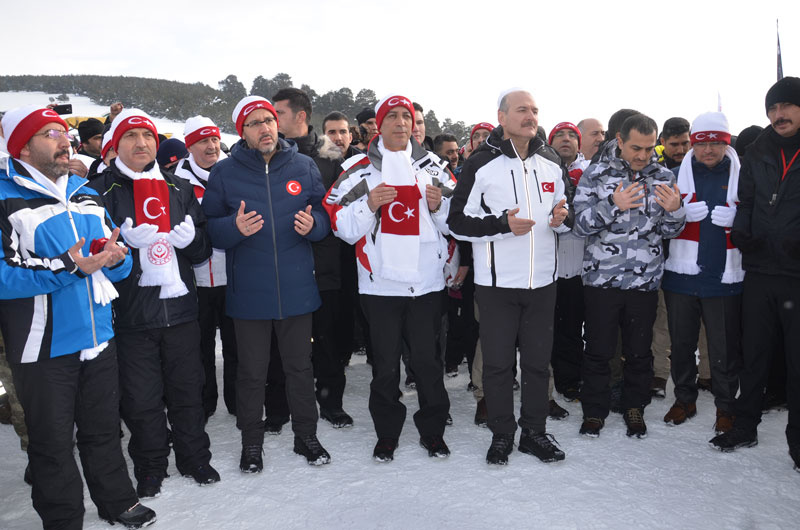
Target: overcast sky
(578, 58)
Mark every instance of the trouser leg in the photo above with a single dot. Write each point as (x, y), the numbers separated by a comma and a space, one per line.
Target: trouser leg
(722, 316)
(684, 316)
(253, 339)
(568, 334)
(660, 344)
(294, 345)
(327, 359)
(535, 345)
(207, 320)
(638, 317)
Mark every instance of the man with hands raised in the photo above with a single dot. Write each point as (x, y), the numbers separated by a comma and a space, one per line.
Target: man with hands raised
(264, 208)
(156, 314)
(510, 202)
(625, 205)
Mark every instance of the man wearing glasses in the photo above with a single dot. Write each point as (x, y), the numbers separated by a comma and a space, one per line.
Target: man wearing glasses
(60, 256)
(264, 208)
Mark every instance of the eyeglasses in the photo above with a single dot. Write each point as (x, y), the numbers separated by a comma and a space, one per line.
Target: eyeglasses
(708, 145)
(266, 121)
(55, 134)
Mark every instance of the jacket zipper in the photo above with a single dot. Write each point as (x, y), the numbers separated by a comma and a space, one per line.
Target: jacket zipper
(274, 244)
(528, 203)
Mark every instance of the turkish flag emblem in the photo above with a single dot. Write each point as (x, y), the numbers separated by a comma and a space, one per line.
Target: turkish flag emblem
(548, 187)
(402, 216)
(293, 187)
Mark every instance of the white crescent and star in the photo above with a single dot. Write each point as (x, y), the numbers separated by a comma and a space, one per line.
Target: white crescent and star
(408, 213)
(147, 211)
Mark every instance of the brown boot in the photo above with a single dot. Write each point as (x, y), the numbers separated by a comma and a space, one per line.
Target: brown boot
(724, 421)
(680, 412)
(481, 414)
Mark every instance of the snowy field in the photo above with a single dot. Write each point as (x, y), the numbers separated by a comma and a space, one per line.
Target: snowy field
(671, 479)
(83, 106)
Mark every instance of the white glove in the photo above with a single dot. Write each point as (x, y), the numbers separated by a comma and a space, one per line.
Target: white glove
(723, 215)
(103, 289)
(182, 234)
(696, 211)
(139, 237)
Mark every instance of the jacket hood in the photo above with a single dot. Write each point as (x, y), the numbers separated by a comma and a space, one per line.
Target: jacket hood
(252, 158)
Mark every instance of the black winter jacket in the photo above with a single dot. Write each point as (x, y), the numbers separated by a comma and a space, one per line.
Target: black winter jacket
(139, 308)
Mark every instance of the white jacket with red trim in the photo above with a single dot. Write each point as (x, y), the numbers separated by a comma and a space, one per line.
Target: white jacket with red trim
(353, 222)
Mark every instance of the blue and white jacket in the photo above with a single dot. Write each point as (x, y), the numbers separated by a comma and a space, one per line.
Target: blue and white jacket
(47, 306)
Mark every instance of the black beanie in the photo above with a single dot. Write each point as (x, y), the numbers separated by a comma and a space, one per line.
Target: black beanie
(787, 90)
(745, 138)
(89, 128)
(364, 115)
(170, 151)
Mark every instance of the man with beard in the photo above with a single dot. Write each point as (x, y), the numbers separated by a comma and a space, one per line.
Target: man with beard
(60, 256)
(263, 206)
(202, 138)
(766, 230)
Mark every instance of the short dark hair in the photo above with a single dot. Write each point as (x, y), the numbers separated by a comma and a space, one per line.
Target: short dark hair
(418, 107)
(334, 116)
(441, 139)
(616, 120)
(298, 100)
(641, 123)
(674, 127)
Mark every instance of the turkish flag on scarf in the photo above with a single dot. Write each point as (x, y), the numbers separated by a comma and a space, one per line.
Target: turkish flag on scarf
(402, 216)
(151, 203)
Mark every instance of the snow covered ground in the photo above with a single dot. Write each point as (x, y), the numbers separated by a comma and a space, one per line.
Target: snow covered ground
(671, 479)
(83, 106)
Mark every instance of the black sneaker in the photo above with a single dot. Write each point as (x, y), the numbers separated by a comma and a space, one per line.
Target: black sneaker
(591, 427)
(149, 486)
(309, 447)
(634, 420)
(410, 383)
(451, 371)
(572, 394)
(337, 418)
(502, 445)
(734, 439)
(541, 445)
(137, 516)
(658, 389)
(384, 449)
(274, 426)
(794, 452)
(435, 446)
(481, 413)
(203, 474)
(251, 461)
(557, 412)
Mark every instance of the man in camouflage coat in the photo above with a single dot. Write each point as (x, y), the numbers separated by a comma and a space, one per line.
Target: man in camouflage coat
(625, 205)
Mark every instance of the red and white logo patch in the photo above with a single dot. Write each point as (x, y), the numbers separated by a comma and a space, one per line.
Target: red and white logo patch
(159, 252)
(293, 187)
(548, 187)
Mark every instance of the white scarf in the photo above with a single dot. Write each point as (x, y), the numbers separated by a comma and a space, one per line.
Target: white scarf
(103, 290)
(158, 261)
(683, 249)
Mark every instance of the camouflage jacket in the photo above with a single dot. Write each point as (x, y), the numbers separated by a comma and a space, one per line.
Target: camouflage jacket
(623, 249)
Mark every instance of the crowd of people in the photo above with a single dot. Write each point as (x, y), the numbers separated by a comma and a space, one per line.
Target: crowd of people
(594, 260)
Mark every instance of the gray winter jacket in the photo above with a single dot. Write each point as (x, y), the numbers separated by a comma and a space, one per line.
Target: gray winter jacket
(623, 249)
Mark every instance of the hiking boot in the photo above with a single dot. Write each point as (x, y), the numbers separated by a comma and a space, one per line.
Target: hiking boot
(502, 445)
(591, 427)
(384, 449)
(658, 389)
(203, 474)
(794, 452)
(634, 420)
(572, 394)
(704, 384)
(680, 412)
(337, 418)
(251, 461)
(435, 446)
(724, 421)
(137, 516)
(309, 447)
(541, 445)
(481, 413)
(734, 439)
(149, 486)
(557, 412)
(451, 371)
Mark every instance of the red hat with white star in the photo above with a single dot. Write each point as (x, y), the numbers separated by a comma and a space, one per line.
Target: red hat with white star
(19, 125)
(199, 128)
(711, 127)
(246, 106)
(388, 103)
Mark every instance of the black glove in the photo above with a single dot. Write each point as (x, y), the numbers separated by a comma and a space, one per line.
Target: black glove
(746, 242)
